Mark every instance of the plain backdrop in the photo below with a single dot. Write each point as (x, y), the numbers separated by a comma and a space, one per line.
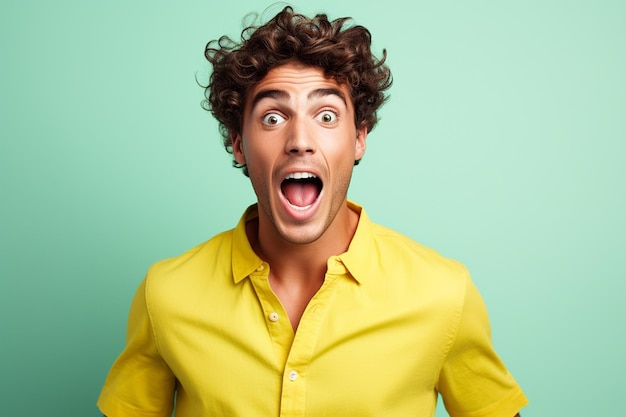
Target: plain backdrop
(503, 146)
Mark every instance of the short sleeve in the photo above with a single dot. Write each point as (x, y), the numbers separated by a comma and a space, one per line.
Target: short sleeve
(474, 381)
(140, 384)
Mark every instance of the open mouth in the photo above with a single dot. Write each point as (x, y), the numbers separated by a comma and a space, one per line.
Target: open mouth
(301, 189)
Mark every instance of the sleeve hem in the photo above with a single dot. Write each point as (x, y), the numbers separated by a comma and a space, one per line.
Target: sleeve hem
(113, 407)
(507, 407)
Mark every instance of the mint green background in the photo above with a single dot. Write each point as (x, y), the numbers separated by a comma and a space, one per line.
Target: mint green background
(502, 146)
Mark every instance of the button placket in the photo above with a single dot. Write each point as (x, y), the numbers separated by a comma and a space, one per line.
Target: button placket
(279, 330)
(303, 348)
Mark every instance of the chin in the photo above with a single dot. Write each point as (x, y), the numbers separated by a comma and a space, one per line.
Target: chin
(301, 235)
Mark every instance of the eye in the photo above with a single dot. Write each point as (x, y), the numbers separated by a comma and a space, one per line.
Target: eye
(327, 117)
(273, 119)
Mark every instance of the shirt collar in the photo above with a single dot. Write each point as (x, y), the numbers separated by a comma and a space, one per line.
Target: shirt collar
(245, 260)
(359, 259)
(356, 261)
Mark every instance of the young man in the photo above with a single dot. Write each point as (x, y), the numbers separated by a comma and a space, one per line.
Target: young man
(306, 308)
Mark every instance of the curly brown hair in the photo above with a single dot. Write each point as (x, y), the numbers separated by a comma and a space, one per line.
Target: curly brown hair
(342, 52)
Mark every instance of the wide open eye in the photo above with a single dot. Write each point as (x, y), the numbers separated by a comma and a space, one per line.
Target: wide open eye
(273, 119)
(327, 117)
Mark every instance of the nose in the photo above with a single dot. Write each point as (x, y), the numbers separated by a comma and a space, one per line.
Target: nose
(300, 139)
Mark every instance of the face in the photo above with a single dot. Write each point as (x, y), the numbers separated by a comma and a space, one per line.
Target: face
(299, 142)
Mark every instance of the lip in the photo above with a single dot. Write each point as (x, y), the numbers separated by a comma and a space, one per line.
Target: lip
(299, 214)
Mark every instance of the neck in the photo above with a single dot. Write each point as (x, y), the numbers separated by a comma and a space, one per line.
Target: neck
(302, 261)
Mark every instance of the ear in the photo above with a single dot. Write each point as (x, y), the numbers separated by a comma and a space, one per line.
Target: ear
(237, 146)
(360, 144)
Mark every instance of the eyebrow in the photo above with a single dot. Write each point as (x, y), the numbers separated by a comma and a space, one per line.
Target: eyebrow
(284, 96)
(322, 92)
(275, 94)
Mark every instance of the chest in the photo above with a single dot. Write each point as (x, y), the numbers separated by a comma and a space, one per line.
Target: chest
(365, 350)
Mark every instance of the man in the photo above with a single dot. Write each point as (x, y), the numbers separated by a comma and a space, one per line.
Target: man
(306, 308)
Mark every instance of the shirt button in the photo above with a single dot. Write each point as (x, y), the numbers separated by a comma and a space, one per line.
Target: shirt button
(260, 268)
(293, 375)
(273, 316)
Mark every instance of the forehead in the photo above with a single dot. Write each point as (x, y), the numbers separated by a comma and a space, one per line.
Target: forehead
(297, 80)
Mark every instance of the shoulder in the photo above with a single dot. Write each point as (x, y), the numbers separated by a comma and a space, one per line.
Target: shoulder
(218, 245)
(381, 246)
(190, 270)
(403, 250)
(389, 261)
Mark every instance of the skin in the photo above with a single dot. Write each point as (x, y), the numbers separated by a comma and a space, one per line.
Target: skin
(298, 120)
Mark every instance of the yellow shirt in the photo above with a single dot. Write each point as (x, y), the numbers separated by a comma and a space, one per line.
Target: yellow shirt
(394, 324)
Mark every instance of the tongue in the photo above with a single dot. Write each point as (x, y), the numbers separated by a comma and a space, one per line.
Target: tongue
(299, 193)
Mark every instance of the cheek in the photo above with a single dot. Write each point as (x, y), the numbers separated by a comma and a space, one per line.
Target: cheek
(259, 181)
(260, 163)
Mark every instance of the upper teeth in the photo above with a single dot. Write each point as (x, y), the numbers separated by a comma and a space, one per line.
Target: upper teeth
(299, 176)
